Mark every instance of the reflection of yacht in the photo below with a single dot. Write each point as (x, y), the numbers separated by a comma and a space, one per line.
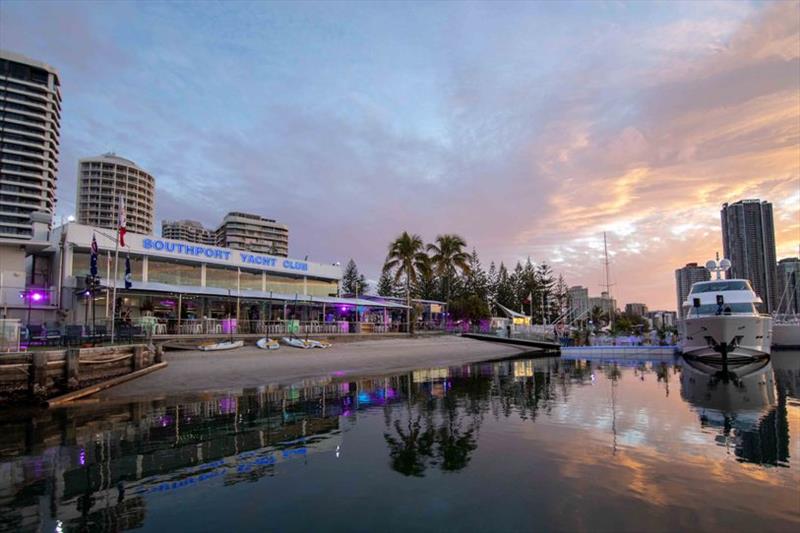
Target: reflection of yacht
(737, 397)
(721, 319)
(744, 403)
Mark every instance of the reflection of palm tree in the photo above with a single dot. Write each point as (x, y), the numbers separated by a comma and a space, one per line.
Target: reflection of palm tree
(455, 446)
(412, 446)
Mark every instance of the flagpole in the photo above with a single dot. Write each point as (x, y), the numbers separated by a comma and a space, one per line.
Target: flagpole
(108, 276)
(114, 291)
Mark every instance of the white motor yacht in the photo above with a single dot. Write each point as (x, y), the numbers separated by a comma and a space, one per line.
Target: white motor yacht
(721, 318)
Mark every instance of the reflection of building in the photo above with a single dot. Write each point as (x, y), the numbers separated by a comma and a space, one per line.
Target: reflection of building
(636, 309)
(102, 180)
(152, 450)
(254, 233)
(579, 302)
(685, 277)
(187, 230)
(788, 286)
(29, 142)
(748, 238)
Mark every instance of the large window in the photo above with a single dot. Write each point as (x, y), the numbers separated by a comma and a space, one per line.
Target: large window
(318, 287)
(250, 280)
(719, 286)
(224, 278)
(173, 272)
(285, 285)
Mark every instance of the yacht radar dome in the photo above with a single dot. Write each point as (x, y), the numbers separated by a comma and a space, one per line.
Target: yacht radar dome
(718, 266)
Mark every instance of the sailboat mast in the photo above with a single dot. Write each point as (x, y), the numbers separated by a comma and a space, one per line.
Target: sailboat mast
(608, 282)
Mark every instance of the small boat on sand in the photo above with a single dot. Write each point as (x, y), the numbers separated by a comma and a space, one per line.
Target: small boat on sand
(295, 342)
(180, 345)
(267, 344)
(224, 345)
(318, 344)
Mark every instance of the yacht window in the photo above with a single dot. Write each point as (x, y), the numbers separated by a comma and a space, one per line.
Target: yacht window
(719, 286)
(714, 309)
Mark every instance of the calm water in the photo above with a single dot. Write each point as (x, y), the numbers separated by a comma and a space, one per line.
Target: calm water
(545, 444)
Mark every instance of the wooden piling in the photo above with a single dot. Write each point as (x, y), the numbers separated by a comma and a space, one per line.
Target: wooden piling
(73, 368)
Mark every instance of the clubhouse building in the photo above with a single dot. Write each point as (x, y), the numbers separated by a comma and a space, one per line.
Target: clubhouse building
(178, 283)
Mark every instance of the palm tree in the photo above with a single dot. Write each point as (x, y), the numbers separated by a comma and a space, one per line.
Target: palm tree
(407, 259)
(447, 256)
(598, 317)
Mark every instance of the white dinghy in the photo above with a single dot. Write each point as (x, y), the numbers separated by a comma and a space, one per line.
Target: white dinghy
(225, 345)
(267, 344)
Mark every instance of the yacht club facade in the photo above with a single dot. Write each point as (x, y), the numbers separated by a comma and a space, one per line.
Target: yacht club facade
(186, 287)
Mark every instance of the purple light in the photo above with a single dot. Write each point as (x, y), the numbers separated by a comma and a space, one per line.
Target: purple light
(82, 457)
(36, 296)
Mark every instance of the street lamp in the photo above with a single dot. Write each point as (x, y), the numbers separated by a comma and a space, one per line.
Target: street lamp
(31, 295)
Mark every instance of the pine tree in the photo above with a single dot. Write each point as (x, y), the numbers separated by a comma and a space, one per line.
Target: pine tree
(518, 287)
(491, 284)
(387, 285)
(475, 283)
(353, 282)
(528, 288)
(505, 288)
(561, 295)
(544, 277)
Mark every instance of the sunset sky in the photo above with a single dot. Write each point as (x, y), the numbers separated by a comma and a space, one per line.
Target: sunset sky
(529, 129)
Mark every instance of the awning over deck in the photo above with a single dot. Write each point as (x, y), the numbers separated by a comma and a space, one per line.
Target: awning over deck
(249, 294)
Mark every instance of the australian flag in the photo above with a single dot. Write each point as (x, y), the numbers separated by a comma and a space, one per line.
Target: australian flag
(93, 258)
(128, 277)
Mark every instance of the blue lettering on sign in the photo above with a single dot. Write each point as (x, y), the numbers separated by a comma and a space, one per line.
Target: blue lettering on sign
(215, 253)
(256, 259)
(294, 265)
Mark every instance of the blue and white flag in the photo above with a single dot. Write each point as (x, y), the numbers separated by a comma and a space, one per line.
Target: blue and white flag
(93, 258)
(128, 277)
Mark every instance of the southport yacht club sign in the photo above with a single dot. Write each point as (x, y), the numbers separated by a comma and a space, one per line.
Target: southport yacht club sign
(234, 256)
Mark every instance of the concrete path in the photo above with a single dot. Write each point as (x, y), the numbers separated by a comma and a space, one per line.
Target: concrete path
(196, 371)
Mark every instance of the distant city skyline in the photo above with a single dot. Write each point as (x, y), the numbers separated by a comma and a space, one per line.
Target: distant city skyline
(353, 122)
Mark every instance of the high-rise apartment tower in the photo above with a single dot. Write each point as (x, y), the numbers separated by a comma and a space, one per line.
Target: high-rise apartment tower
(102, 180)
(30, 122)
(748, 239)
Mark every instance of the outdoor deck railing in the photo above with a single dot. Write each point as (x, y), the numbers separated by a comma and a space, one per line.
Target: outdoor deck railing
(142, 328)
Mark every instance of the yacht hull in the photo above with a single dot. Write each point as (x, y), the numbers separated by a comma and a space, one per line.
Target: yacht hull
(744, 335)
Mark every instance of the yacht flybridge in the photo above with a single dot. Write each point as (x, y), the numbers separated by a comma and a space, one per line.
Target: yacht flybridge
(721, 318)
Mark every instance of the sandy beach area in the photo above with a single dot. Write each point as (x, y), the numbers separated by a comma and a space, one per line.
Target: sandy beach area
(197, 371)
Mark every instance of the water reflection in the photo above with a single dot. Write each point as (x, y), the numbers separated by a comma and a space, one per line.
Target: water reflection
(741, 403)
(106, 467)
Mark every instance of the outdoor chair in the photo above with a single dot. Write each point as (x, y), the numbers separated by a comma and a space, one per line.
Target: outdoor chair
(124, 333)
(36, 334)
(52, 336)
(100, 334)
(137, 333)
(73, 335)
